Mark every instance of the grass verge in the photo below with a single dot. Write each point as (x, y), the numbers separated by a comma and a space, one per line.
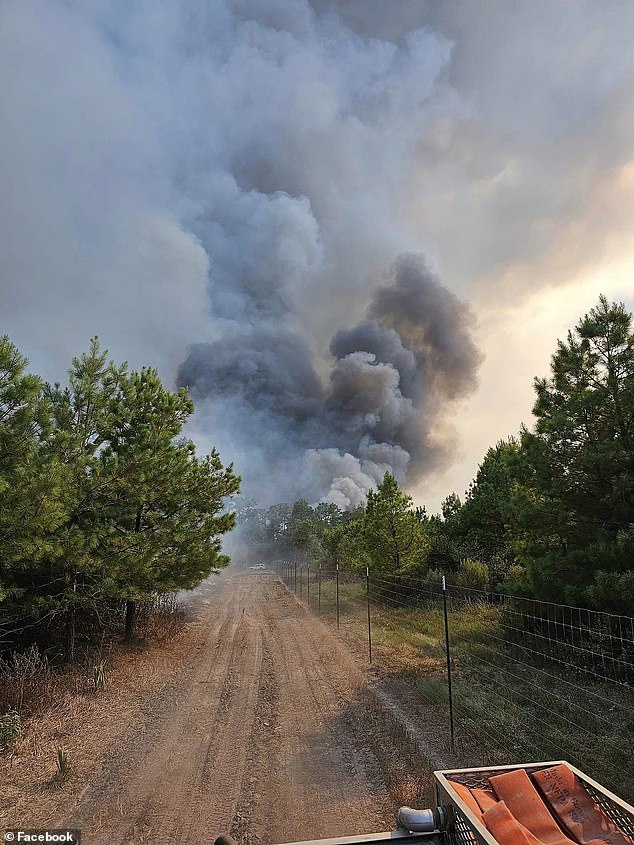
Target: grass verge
(510, 704)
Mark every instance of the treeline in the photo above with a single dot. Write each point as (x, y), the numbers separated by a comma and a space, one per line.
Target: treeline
(103, 503)
(550, 513)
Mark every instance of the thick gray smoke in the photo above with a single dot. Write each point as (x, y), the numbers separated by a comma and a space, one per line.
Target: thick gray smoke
(240, 174)
(302, 135)
(389, 386)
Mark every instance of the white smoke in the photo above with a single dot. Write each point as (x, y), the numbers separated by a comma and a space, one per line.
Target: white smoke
(237, 176)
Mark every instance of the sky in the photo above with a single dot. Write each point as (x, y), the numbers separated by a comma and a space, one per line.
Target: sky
(354, 229)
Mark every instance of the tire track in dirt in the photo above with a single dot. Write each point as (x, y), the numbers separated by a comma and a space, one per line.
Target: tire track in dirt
(349, 795)
(156, 782)
(259, 738)
(249, 819)
(213, 791)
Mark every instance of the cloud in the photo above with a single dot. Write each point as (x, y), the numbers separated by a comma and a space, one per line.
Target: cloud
(236, 178)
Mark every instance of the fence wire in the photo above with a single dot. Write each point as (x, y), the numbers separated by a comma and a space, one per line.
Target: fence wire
(531, 680)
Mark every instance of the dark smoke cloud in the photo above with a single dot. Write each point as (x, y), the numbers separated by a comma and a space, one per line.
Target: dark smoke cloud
(238, 174)
(434, 324)
(272, 371)
(387, 390)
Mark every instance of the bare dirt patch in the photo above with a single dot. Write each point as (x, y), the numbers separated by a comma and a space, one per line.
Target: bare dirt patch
(254, 720)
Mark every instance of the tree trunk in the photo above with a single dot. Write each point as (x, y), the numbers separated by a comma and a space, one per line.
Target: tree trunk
(71, 625)
(70, 635)
(130, 619)
(130, 606)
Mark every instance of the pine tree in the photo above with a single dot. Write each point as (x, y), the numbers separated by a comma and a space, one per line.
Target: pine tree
(394, 537)
(102, 499)
(579, 520)
(167, 506)
(82, 422)
(30, 481)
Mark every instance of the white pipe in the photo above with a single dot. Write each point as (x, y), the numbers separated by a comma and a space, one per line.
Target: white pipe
(418, 821)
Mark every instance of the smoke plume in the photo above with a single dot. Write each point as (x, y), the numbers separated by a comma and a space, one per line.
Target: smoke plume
(236, 177)
(390, 381)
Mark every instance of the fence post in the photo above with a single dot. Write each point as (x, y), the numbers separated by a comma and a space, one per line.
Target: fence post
(444, 601)
(301, 582)
(367, 577)
(319, 590)
(308, 585)
(295, 566)
(337, 596)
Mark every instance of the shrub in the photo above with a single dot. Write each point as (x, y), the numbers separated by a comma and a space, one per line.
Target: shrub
(10, 728)
(472, 574)
(27, 682)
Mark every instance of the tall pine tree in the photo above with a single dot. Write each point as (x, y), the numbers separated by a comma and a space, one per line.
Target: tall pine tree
(394, 537)
(31, 483)
(579, 519)
(167, 506)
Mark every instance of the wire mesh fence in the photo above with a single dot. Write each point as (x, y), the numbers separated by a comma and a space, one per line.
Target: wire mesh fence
(530, 680)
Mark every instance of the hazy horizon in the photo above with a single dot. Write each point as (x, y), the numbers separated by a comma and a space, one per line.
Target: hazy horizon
(356, 231)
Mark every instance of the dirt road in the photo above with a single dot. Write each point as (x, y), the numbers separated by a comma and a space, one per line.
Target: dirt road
(256, 738)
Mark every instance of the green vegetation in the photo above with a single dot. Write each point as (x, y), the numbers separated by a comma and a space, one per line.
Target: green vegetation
(549, 515)
(104, 503)
(393, 537)
(509, 704)
(423, 630)
(557, 503)
(578, 467)
(10, 728)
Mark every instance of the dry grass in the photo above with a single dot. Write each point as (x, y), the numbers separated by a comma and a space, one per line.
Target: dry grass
(407, 773)
(28, 684)
(31, 686)
(505, 708)
(162, 619)
(72, 715)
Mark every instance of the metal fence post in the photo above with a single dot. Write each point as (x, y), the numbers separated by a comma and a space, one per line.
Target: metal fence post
(337, 596)
(308, 585)
(367, 576)
(319, 589)
(444, 600)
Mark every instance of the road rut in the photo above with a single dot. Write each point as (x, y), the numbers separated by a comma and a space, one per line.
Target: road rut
(256, 738)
